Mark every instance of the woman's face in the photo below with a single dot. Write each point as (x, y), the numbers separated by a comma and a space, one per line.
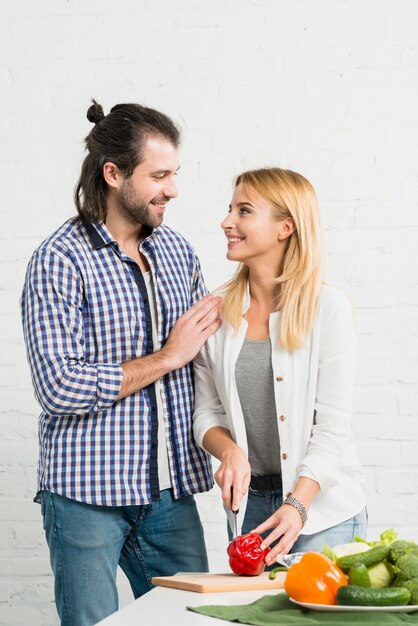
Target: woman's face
(251, 229)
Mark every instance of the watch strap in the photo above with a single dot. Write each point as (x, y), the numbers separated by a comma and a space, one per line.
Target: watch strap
(297, 504)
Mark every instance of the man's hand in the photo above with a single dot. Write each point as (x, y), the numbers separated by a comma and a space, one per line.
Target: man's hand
(187, 336)
(191, 331)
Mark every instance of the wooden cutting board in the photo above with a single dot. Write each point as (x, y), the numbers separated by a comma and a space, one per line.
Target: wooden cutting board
(215, 583)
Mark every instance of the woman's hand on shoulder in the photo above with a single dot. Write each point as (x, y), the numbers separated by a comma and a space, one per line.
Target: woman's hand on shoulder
(233, 476)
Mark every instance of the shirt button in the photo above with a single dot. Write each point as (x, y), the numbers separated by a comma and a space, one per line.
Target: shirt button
(289, 493)
(279, 379)
(282, 418)
(284, 456)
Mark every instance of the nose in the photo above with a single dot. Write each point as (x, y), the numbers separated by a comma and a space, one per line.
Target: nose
(228, 222)
(170, 189)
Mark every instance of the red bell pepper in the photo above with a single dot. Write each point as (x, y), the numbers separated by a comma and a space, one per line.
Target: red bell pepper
(245, 555)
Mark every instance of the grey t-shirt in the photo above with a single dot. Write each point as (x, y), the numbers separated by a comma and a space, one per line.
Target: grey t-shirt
(255, 383)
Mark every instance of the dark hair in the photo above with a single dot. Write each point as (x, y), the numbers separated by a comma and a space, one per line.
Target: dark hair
(118, 137)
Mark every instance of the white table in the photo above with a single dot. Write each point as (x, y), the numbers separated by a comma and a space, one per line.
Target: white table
(167, 607)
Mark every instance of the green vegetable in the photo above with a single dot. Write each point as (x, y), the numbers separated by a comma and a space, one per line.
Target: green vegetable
(378, 566)
(398, 581)
(381, 574)
(273, 572)
(344, 550)
(400, 548)
(368, 558)
(407, 566)
(359, 576)
(386, 537)
(353, 595)
(412, 586)
(329, 552)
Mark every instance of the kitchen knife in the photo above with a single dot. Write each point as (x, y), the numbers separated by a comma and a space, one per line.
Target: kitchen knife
(235, 529)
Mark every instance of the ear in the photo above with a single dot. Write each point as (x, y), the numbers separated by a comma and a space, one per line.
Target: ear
(112, 175)
(286, 228)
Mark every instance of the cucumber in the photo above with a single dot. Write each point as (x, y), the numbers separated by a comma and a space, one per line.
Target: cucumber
(370, 557)
(352, 595)
(359, 576)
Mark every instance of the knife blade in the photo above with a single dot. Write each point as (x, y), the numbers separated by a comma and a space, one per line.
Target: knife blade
(235, 525)
(235, 529)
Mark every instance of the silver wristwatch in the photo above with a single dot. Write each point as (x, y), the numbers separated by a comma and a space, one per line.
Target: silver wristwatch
(299, 506)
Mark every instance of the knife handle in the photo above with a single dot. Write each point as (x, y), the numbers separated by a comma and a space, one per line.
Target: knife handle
(237, 511)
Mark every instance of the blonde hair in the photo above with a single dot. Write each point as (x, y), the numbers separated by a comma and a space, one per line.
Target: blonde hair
(299, 284)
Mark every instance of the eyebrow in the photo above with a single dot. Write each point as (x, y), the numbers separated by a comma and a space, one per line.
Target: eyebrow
(164, 171)
(240, 204)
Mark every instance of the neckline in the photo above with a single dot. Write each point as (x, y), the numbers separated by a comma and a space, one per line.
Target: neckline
(257, 340)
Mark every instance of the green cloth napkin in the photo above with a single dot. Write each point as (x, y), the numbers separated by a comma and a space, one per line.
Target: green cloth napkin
(278, 610)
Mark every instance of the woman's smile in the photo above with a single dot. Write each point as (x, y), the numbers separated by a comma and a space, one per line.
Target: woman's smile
(234, 241)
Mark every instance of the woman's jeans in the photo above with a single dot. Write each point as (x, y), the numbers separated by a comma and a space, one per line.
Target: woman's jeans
(88, 542)
(262, 504)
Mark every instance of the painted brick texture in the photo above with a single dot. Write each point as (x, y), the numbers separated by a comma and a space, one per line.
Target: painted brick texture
(326, 88)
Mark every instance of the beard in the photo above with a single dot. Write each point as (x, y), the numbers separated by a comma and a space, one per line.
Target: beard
(135, 208)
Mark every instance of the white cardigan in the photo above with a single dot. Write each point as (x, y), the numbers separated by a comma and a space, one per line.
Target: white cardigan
(313, 396)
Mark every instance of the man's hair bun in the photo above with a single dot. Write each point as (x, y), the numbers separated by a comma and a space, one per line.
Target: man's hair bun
(95, 113)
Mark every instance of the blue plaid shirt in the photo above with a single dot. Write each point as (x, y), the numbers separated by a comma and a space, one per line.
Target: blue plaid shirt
(85, 311)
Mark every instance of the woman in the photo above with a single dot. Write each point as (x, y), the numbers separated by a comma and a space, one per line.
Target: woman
(274, 384)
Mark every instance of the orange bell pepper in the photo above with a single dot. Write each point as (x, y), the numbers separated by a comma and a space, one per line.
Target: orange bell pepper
(314, 579)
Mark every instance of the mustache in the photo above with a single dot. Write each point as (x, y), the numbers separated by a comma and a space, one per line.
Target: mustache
(163, 199)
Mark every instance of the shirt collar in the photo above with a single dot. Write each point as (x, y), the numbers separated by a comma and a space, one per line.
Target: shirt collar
(246, 299)
(100, 236)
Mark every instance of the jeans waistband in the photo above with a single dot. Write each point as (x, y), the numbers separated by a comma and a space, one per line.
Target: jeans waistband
(266, 482)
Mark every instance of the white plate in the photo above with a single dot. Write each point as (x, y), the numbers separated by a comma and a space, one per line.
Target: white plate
(409, 608)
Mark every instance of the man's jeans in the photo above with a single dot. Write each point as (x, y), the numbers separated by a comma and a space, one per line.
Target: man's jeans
(87, 543)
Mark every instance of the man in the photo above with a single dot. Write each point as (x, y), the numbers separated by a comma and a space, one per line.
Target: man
(114, 309)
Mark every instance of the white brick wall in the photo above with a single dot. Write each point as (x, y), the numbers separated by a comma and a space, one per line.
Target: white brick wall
(326, 87)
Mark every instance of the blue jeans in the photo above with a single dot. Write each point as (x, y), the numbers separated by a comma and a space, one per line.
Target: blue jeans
(88, 542)
(262, 504)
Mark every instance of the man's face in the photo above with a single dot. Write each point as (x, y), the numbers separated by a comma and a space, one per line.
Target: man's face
(143, 196)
